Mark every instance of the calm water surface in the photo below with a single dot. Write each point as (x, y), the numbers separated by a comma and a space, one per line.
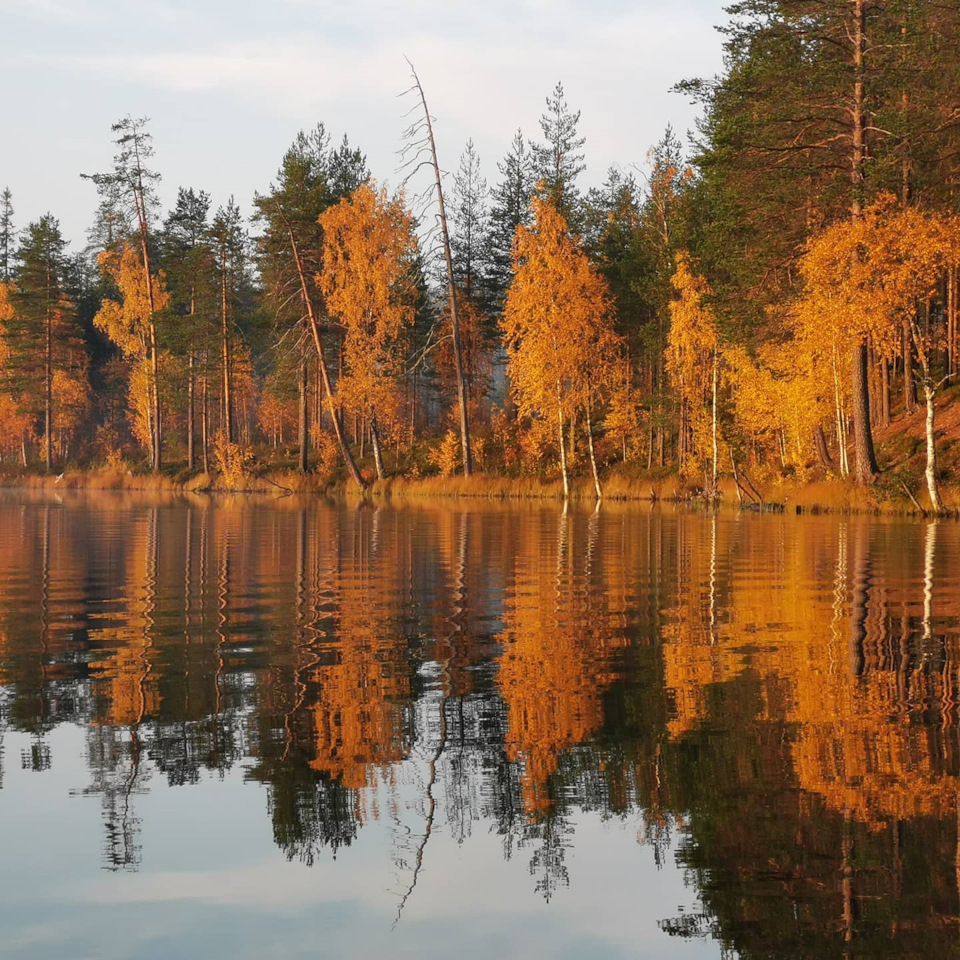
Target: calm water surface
(243, 728)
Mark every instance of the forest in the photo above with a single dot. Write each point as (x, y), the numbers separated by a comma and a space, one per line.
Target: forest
(767, 307)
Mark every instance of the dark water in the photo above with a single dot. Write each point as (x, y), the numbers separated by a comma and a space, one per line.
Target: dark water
(257, 729)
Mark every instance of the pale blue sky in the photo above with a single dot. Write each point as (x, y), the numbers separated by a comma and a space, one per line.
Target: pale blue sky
(228, 84)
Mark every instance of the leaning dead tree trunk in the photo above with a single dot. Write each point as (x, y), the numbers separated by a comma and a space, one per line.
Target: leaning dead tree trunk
(352, 468)
(303, 414)
(451, 289)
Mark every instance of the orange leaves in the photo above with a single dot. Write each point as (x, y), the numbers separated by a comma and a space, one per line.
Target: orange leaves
(557, 321)
(6, 308)
(693, 328)
(126, 322)
(862, 276)
(691, 358)
(366, 280)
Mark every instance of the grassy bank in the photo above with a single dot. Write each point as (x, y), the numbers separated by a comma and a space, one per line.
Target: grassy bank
(902, 456)
(112, 478)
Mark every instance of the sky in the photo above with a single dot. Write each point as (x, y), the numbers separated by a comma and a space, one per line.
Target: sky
(228, 83)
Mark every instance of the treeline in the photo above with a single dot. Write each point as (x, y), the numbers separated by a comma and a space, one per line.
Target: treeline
(755, 309)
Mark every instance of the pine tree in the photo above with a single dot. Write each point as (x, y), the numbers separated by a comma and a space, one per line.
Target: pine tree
(188, 261)
(559, 158)
(130, 188)
(46, 360)
(229, 242)
(309, 181)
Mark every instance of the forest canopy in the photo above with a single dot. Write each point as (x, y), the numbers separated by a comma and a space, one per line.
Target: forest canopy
(757, 303)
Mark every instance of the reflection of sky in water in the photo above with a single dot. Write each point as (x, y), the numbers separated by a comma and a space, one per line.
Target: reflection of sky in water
(212, 883)
(770, 702)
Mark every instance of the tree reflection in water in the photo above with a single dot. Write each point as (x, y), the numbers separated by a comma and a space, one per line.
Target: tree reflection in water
(774, 698)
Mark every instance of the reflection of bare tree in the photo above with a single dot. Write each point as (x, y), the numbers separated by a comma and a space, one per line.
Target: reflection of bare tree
(457, 621)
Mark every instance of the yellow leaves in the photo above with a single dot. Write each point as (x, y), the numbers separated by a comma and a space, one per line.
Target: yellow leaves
(557, 320)
(446, 457)
(6, 307)
(366, 280)
(862, 276)
(71, 397)
(126, 322)
(693, 327)
(233, 462)
(141, 378)
(691, 356)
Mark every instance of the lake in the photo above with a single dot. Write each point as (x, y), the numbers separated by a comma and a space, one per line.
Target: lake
(259, 728)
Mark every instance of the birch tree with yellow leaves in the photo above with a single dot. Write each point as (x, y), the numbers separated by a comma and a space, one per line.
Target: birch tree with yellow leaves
(129, 323)
(867, 279)
(557, 321)
(368, 286)
(693, 366)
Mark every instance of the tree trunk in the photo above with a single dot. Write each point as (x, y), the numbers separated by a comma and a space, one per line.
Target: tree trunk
(823, 451)
(716, 445)
(48, 384)
(921, 341)
(857, 116)
(191, 412)
(377, 453)
(884, 392)
(303, 425)
(451, 291)
(228, 431)
(841, 419)
(593, 459)
(952, 321)
(563, 455)
(909, 396)
(930, 394)
(865, 461)
(205, 420)
(157, 452)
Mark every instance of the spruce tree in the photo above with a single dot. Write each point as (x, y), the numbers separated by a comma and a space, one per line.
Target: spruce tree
(7, 235)
(509, 208)
(469, 223)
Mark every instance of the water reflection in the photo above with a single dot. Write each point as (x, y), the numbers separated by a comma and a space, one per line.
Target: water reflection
(774, 698)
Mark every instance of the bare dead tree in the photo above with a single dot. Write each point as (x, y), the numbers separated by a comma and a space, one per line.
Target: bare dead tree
(421, 150)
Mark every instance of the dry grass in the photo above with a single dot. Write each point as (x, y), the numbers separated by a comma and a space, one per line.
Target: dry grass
(113, 478)
(100, 478)
(615, 487)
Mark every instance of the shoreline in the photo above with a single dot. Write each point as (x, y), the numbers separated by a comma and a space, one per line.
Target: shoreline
(820, 497)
